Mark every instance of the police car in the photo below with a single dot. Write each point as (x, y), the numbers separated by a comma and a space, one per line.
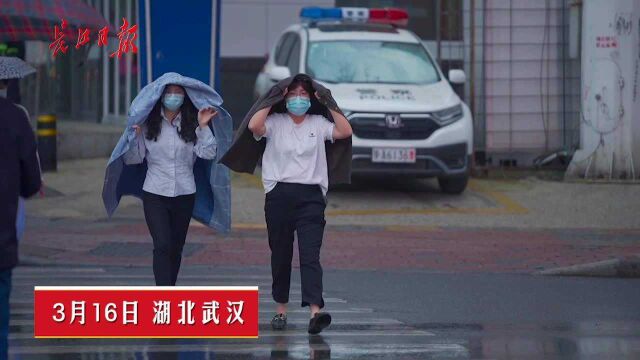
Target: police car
(406, 118)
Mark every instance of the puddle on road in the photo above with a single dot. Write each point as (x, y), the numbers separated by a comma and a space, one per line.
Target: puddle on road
(584, 340)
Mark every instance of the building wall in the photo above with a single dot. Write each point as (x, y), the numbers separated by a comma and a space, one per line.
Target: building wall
(531, 86)
(249, 29)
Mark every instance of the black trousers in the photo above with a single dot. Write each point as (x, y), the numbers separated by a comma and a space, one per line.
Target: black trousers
(296, 208)
(168, 221)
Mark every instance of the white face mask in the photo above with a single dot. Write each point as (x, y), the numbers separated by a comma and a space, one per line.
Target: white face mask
(3, 93)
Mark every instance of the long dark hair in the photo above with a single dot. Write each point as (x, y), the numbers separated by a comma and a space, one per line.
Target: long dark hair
(305, 81)
(188, 121)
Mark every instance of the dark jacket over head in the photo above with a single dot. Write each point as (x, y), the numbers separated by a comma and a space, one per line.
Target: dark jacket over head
(19, 175)
(245, 151)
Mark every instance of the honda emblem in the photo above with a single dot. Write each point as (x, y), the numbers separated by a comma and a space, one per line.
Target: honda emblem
(393, 121)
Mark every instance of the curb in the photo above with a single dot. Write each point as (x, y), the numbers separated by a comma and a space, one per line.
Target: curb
(627, 267)
(27, 260)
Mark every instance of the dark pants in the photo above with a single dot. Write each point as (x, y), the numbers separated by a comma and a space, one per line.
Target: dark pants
(168, 221)
(296, 208)
(5, 291)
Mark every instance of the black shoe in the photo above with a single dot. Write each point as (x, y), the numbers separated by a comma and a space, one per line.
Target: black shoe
(318, 322)
(279, 322)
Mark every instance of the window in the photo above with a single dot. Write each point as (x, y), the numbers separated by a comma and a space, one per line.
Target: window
(294, 57)
(283, 49)
(361, 61)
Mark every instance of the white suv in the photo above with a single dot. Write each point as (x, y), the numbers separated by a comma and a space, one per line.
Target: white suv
(406, 118)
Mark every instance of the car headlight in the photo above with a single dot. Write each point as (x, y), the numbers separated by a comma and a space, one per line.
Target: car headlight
(448, 115)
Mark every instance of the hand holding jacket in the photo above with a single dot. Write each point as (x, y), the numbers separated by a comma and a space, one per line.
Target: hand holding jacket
(245, 152)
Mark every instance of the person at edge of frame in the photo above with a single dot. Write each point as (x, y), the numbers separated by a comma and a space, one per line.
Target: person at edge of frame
(20, 162)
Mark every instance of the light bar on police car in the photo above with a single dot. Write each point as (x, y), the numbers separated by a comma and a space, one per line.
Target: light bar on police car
(391, 16)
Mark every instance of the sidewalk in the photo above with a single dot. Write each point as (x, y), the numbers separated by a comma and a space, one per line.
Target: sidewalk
(345, 247)
(494, 227)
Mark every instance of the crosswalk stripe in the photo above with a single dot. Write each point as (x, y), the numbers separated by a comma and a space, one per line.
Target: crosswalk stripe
(392, 337)
(297, 333)
(263, 305)
(265, 293)
(263, 309)
(25, 316)
(20, 270)
(261, 299)
(112, 276)
(290, 321)
(263, 290)
(335, 349)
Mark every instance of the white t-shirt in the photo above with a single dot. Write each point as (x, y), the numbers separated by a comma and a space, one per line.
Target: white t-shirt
(295, 153)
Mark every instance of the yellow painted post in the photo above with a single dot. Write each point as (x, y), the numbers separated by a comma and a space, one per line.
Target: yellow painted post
(47, 142)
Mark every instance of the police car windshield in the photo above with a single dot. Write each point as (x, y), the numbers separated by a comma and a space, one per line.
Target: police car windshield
(360, 61)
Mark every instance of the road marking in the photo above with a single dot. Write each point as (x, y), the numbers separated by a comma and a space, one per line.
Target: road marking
(264, 286)
(262, 299)
(251, 179)
(290, 321)
(298, 333)
(46, 270)
(335, 349)
(262, 310)
(27, 290)
(507, 206)
(238, 226)
(350, 323)
(420, 228)
(137, 276)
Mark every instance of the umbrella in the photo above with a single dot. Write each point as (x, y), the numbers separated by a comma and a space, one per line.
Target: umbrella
(35, 19)
(14, 68)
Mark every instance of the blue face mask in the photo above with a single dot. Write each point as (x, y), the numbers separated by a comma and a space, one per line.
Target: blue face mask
(172, 101)
(298, 105)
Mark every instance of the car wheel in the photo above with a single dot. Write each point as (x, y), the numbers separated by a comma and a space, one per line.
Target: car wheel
(453, 184)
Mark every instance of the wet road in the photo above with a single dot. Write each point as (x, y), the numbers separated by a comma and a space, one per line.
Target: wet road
(410, 273)
(377, 315)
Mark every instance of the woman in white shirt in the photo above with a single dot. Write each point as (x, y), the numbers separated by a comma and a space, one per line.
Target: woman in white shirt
(171, 138)
(295, 179)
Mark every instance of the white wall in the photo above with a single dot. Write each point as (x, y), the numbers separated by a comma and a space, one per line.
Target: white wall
(250, 27)
(524, 76)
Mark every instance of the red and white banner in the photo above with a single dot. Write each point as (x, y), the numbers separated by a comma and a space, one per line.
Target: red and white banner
(146, 311)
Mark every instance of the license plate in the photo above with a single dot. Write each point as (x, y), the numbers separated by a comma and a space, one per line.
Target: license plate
(393, 155)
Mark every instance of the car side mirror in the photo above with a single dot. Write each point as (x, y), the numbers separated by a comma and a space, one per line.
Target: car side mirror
(457, 76)
(278, 73)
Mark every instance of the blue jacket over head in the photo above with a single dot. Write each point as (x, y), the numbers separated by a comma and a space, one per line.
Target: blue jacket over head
(213, 188)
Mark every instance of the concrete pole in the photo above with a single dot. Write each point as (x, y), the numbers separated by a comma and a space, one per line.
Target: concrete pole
(610, 98)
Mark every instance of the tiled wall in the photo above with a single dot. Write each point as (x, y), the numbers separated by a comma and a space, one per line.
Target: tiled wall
(530, 85)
